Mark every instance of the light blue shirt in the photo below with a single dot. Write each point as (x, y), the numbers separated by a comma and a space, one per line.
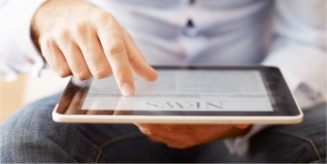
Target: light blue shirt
(290, 34)
(219, 32)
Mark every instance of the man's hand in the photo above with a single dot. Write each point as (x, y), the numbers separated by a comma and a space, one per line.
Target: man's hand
(80, 39)
(187, 135)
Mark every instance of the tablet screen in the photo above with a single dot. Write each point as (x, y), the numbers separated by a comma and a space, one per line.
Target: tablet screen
(184, 90)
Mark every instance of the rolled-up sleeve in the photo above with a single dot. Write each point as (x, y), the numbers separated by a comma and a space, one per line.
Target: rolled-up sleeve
(17, 50)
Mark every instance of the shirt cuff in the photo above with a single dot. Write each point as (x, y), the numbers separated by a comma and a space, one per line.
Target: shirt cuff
(18, 50)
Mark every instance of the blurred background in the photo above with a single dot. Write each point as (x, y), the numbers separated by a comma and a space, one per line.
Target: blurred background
(27, 89)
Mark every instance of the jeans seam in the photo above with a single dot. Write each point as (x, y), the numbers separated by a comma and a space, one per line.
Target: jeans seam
(97, 157)
(312, 143)
(297, 157)
(116, 139)
(96, 160)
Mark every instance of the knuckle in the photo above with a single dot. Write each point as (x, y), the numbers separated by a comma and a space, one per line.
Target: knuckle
(132, 59)
(49, 43)
(63, 34)
(92, 49)
(121, 74)
(103, 16)
(129, 36)
(46, 41)
(80, 28)
(46, 45)
(82, 75)
(63, 72)
(101, 73)
(115, 47)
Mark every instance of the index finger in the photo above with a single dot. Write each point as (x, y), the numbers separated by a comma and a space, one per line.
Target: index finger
(139, 65)
(112, 42)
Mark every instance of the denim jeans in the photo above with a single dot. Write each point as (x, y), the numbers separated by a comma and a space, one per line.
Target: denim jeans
(30, 135)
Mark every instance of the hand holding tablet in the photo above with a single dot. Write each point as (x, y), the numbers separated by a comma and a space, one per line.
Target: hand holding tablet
(186, 95)
(187, 135)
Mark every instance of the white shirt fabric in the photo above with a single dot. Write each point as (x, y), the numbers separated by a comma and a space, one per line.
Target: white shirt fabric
(290, 34)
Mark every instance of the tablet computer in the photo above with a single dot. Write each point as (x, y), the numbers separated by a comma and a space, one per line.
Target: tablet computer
(186, 95)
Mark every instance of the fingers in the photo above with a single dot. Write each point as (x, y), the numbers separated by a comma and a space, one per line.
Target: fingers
(187, 135)
(54, 57)
(114, 48)
(64, 56)
(92, 51)
(140, 67)
(75, 59)
(172, 139)
(199, 133)
(98, 47)
(181, 128)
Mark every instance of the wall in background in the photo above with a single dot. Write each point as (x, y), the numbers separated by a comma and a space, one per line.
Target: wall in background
(27, 89)
(11, 96)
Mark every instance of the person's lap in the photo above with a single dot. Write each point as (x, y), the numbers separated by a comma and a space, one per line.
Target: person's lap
(30, 135)
(302, 143)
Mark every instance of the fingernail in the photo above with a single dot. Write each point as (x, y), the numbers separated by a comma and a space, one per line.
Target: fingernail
(126, 89)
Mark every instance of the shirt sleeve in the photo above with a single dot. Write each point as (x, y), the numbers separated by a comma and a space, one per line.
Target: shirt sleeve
(17, 50)
(299, 50)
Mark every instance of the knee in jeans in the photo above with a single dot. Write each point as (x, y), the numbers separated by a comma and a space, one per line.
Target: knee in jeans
(28, 121)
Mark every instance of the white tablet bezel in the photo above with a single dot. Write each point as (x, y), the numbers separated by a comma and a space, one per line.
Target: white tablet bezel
(178, 119)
